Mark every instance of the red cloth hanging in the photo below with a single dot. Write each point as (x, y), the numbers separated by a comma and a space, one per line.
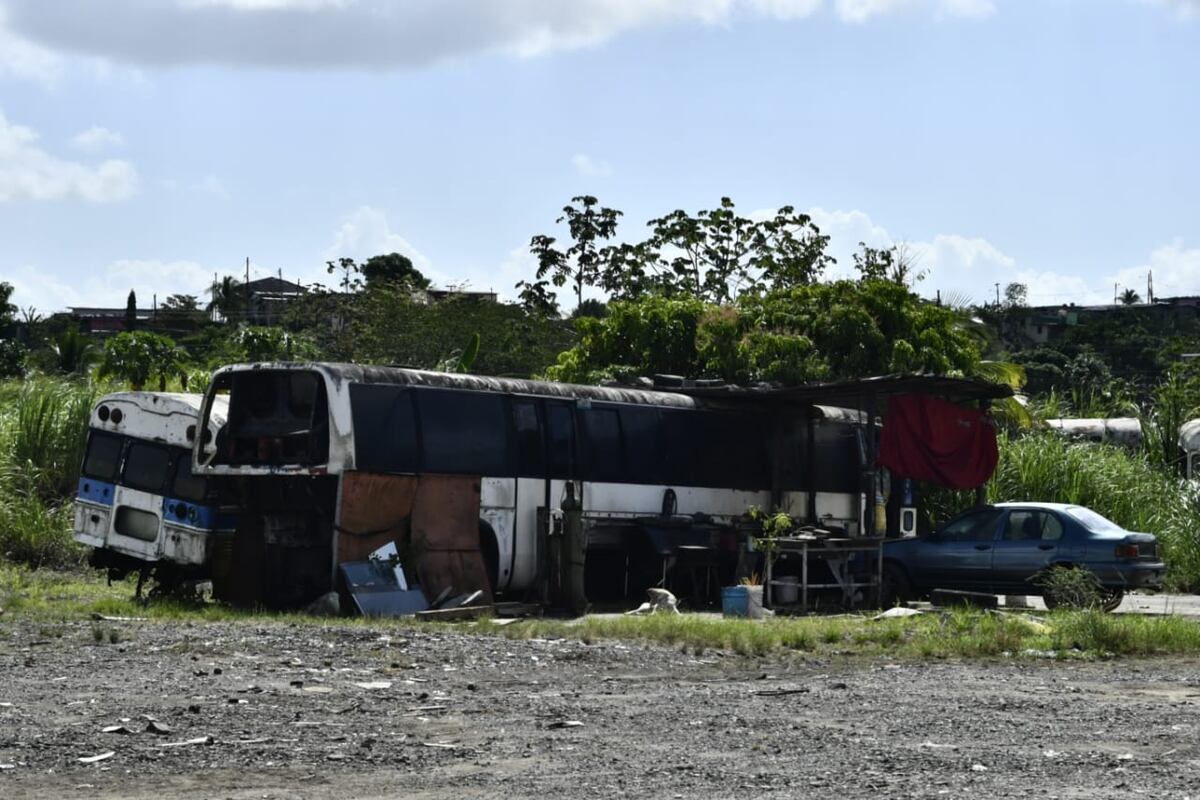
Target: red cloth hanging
(929, 439)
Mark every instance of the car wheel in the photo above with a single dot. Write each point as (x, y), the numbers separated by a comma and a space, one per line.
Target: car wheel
(895, 589)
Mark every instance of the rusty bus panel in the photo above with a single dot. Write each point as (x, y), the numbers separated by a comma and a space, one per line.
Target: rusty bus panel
(434, 517)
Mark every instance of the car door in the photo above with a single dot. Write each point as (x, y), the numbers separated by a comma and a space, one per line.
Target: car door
(1029, 542)
(959, 555)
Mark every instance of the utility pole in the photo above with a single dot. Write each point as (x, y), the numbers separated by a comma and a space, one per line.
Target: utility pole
(1116, 292)
(997, 295)
(246, 310)
(1150, 286)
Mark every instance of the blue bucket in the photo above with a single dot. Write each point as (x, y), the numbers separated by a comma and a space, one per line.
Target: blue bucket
(735, 601)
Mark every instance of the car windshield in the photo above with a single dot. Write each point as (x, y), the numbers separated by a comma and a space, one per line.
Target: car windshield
(1093, 521)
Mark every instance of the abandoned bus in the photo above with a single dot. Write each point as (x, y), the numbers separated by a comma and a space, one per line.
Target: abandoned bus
(473, 476)
(139, 505)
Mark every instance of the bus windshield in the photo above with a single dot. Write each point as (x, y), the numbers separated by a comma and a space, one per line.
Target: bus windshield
(103, 456)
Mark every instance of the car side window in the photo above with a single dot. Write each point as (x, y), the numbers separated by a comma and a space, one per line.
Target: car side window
(976, 527)
(1031, 526)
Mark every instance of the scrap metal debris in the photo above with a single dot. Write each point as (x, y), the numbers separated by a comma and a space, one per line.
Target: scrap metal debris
(97, 758)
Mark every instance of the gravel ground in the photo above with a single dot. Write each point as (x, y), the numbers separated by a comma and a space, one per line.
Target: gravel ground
(345, 711)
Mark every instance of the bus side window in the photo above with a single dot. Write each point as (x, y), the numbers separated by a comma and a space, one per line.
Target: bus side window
(560, 441)
(640, 431)
(531, 457)
(605, 455)
(463, 433)
(385, 428)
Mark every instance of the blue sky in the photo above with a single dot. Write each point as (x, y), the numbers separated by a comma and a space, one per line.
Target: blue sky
(147, 144)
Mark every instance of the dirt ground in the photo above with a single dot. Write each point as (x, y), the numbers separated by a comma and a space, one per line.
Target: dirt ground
(286, 710)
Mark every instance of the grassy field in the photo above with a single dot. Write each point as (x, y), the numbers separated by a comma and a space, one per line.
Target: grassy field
(47, 597)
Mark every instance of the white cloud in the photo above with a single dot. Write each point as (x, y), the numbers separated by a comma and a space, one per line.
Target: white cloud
(97, 138)
(590, 167)
(858, 11)
(1175, 270)
(23, 59)
(29, 172)
(1185, 9)
(382, 34)
(366, 232)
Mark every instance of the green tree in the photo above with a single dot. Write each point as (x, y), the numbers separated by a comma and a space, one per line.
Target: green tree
(1130, 297)
(389, 326)
(131, 320)
(8, 311)
(256, 343)
(393, 268)
(12, 352)
(808, 332)
(589, 224)
(1016, 295)
(228, 299)
(136, 357)
(717, 254)
(74, 352)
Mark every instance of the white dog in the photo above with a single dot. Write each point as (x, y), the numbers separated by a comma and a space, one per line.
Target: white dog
(660, 600)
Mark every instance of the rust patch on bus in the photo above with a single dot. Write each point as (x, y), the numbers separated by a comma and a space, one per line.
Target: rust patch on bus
(433, 517)
(375, 510)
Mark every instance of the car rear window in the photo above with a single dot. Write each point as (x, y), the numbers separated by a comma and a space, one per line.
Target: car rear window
(1093, 521)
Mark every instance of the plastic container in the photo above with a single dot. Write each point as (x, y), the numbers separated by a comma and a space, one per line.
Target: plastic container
(742, 601)
(735, 601)
(786, 590)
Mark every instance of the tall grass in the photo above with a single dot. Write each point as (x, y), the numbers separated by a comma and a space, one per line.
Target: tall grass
(43, 431)
(1123, 486)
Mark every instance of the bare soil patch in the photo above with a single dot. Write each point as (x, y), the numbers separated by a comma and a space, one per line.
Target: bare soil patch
(247, 710)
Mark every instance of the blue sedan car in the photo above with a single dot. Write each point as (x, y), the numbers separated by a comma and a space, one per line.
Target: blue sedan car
(1005, 548)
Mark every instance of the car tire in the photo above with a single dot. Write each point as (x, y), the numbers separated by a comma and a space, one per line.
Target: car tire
(895, 588)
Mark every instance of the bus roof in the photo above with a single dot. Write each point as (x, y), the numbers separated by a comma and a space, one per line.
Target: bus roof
(339, 374)
(156, 416)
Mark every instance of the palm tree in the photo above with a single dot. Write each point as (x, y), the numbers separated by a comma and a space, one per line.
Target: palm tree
(228, 299)
(1130, 297)
(75, 352)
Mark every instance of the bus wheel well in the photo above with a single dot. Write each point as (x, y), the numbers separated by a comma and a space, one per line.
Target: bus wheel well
(489, 548)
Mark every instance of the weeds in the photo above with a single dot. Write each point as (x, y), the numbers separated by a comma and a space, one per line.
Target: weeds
(43, 430)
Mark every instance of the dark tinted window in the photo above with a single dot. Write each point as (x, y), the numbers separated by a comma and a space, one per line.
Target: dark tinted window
(643, 456)
(605, 454)
(836, 460)
(560, 441)
(103, 457)
(146, 467)
(680, 436)
(528, 429)
(385, 428)
(978, 526)
(187, 486)
(464, 432)
(1031, 526)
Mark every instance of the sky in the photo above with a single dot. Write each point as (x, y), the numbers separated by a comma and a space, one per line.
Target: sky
(150, 144)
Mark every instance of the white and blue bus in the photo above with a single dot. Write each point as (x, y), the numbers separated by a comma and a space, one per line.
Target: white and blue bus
(330, 461)
(139, 504)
